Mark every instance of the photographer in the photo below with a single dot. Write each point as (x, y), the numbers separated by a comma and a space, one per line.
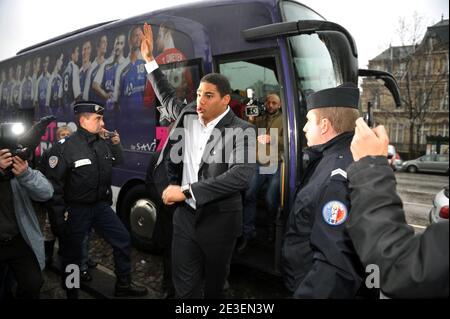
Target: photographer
(270, 122)
(21, 241)
(411, 266)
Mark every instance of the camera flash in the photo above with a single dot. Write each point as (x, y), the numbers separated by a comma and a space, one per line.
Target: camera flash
(18, 129)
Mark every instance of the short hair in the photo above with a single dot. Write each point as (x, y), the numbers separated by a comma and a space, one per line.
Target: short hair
(130, 33)
(342, 118)
(275, 94)
(63, 128)
(85, 114)
(99, 40)
(220, 81)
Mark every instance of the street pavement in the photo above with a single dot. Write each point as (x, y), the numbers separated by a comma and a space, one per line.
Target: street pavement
(417, 192)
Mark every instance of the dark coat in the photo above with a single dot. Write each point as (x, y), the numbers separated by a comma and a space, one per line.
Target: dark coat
(319, 260)
(411, 266)
(80, 169)
(220, 183)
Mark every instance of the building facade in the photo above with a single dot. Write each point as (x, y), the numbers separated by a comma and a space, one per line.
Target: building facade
(422, 73)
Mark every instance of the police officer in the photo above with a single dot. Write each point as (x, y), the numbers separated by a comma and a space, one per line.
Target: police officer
(318, 257)
(80, 168)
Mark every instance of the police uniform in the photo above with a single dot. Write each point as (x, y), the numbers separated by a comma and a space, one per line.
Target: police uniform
(80, 169)
(319, 260)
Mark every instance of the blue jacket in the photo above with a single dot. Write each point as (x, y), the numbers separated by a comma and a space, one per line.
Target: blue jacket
(31, 185)
(319, 260)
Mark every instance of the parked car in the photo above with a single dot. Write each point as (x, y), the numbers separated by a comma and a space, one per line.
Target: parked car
(398, 162)
(391, 156)
(439, 211)
(428, 163)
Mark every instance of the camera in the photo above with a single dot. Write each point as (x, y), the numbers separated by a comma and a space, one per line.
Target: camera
(9, 138)
(108, 134)
(20, 142)
(254, 107)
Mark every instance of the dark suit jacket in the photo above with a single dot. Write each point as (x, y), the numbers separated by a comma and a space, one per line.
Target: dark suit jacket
(220, 182)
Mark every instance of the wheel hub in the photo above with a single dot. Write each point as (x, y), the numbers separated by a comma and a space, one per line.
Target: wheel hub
(143, 218)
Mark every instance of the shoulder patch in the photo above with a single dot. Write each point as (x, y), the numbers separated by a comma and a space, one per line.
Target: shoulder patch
(334, 213)
(339, 171)
(53, 161)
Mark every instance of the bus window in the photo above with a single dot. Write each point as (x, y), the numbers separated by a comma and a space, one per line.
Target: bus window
(293, 12)
(321, 60)
(258, 74)
(314, 64)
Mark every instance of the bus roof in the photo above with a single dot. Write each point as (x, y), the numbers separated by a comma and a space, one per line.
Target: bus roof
(237, 15)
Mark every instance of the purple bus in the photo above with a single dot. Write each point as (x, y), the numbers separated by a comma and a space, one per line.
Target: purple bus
(266, 45)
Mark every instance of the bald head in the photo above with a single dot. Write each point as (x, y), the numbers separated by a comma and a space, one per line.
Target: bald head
(273, 103)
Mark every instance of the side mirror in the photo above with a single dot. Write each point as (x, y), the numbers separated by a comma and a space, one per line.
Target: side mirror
(389, 82)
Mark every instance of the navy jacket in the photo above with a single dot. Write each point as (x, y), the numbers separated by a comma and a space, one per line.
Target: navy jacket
(80, 170)
(319, 260)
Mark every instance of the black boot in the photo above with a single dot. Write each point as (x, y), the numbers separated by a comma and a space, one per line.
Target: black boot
(126, 288)
(49, 247)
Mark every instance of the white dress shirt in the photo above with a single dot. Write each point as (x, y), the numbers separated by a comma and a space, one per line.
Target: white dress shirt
(195, 139)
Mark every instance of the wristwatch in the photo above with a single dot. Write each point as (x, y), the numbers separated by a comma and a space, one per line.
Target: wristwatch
(186, 189)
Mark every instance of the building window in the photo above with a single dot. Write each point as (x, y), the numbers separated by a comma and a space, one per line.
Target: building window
(428, 67)
(424, 99)
(424, 132)
(446, 63)
(443, 130)
(376, 101)
(396, 133)
(402, 68)
(444, 100)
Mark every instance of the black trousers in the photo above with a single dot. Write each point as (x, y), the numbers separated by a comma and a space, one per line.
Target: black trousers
(20, 259)
(107, 224)
(198, 261)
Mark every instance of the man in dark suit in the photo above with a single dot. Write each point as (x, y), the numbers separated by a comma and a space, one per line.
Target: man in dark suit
(210, 158)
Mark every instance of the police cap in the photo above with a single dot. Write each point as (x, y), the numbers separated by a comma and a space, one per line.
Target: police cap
(88, 107)
(345, 95)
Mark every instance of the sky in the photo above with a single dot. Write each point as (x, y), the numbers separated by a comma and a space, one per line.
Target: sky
(373, 24)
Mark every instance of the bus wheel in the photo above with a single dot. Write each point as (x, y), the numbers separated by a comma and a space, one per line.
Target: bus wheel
(139, 214)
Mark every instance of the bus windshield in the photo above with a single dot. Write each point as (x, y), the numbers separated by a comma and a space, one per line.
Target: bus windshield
(321, 60)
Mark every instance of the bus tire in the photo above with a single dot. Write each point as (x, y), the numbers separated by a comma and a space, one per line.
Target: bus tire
(138, 213)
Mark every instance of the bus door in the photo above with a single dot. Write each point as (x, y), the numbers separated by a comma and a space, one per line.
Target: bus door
(318, 54)
(260, 73)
